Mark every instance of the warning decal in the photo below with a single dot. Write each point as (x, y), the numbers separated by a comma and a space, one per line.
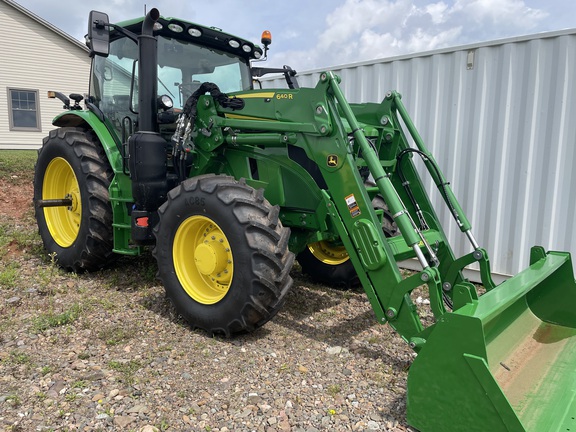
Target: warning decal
(352, 206)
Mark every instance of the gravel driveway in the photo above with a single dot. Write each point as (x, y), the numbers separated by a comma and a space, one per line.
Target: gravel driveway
(105, 352)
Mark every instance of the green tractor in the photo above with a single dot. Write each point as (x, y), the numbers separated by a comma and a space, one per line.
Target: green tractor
(176, 149)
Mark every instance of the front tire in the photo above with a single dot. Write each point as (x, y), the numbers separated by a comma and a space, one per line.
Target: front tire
(72, 164)
(222, 254)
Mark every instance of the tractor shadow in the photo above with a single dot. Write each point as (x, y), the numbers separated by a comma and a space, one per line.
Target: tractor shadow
(341, 318)
(335, 317)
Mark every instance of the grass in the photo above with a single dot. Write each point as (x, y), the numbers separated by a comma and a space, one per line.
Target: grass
(5, 237)
(18, 358)
(126, 368)
(80, 384)
(130, 274)
(13, 400)
(116, 334)
(46, 370)
(333, 389)
(17, 163)
(24, 237)
(70, 397)
(9, 275)
(50, 320)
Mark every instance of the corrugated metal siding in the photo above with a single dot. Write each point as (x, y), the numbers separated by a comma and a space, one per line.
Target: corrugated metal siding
(36, 58)
(504, 133)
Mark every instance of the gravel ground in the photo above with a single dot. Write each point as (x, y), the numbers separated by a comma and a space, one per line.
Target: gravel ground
(105, 351)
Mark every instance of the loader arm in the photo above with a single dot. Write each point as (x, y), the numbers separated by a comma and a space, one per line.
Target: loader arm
(264, 133)
(470, 367)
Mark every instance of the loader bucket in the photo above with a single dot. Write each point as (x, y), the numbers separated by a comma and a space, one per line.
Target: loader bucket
(504, 362)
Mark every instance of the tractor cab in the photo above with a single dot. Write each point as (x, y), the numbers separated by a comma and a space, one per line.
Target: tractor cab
(186, 55)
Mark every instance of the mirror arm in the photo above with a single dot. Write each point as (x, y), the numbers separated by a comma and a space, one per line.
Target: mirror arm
(122, 30)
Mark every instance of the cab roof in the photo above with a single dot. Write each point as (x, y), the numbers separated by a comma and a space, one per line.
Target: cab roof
(206, 36)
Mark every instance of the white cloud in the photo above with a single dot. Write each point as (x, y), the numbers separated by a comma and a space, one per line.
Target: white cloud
(360, 30)
(332, 32)
(437, 11)
(351, 19)
(422, 40)
(509, 13)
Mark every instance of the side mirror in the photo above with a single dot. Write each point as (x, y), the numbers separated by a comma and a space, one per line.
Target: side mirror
(98, 38)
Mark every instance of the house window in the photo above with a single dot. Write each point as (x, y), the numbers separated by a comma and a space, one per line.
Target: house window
(24, 110)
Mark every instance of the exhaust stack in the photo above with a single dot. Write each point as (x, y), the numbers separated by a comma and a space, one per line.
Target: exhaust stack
(147, 148)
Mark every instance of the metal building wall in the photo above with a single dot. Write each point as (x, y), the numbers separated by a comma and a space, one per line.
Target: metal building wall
(500, 119)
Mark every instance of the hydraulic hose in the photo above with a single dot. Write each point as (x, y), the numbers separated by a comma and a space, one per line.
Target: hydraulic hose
(187, 118)
(441, 186)
(423, 224)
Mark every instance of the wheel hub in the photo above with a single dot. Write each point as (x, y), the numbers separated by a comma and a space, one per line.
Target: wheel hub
(210, 257)
(206, 276)
(61, 182)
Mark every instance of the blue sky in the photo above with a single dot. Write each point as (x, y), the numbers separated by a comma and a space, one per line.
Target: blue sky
(312, 34)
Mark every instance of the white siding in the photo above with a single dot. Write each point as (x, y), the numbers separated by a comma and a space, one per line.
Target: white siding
(34, 57)
(504, 133)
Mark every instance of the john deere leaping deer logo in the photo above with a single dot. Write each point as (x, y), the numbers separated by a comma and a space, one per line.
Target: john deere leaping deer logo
(332, 160)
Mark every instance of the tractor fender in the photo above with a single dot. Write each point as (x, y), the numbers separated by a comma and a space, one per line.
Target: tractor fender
(107, 137)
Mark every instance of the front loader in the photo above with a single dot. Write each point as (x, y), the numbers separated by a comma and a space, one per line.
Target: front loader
(176, 149)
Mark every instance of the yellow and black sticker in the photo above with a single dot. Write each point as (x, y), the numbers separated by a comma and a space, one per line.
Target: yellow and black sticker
(256, 95)
(352, 205)
(332, 160)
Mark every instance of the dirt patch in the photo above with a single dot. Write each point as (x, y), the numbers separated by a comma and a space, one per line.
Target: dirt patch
(15, 196)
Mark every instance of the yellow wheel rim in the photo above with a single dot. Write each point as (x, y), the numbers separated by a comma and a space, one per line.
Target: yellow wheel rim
(329, 253)
(203, 259)
(61, 182)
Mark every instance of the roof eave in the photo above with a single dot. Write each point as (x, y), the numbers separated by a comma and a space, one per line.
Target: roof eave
(46, 24)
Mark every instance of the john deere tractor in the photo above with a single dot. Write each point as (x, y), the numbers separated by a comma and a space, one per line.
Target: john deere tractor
(174, 148)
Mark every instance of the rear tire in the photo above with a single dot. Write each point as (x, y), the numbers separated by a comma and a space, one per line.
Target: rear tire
(329, 263)
(72, 164)
(222, 254)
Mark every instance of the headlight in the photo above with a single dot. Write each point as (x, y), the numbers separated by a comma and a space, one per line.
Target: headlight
(176, 28)
(165, 102)
(194, 32)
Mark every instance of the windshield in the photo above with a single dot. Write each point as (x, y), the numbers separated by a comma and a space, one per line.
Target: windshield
(182, 68)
